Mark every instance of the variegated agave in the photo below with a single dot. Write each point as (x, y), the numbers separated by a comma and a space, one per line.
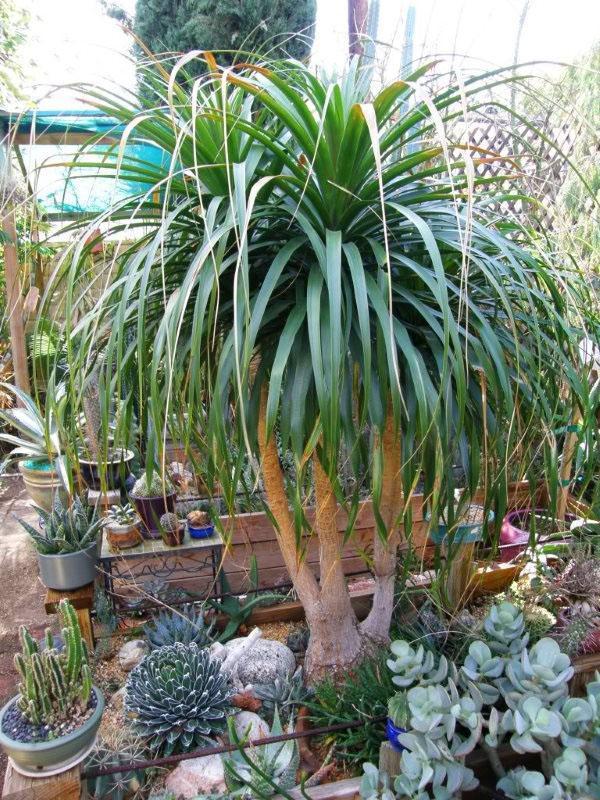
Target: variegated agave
(179, 697)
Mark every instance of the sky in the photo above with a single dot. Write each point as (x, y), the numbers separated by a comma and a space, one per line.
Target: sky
(73, 41)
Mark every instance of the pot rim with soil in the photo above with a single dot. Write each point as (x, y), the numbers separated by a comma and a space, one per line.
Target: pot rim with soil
(122, 525)
(172, 529)
(115, 459)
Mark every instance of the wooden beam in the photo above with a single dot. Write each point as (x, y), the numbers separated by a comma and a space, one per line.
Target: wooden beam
(14, 299)
(66, 786)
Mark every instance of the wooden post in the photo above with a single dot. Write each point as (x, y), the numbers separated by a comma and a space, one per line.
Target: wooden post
(66, 786)
(460, 572)
(14, 299)
(82, 601)
(389, 760)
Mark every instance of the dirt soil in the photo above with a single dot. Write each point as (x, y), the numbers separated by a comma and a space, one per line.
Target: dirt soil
(21, 591)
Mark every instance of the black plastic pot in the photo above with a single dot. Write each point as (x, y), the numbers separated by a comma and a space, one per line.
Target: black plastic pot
(117, 470)
(151, 510)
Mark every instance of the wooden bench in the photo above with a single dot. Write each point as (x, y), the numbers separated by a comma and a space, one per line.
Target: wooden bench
(66, 786)
(82, 601)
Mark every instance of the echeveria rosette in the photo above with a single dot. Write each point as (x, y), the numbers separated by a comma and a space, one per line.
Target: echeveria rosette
(430, 710)
(543, 671)
(179, 696)
(505, 628)
(530, 723)
(576, 714)
(480, 667)
(523, 784)
(571, 769)
(425, 762)
(411, 666)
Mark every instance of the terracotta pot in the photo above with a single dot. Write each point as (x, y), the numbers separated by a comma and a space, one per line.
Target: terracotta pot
(174, 538)
(151, 510)
(120, 537)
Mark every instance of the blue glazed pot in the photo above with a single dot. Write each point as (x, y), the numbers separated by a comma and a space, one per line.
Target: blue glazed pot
(201, 533)
(463, 534)
(392, 733)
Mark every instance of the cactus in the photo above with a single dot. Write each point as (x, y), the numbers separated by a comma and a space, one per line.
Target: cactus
(538, 621)
(185, 626)
(170, 522)
(66, 529)
(125, 747)
(55, 685)
(572, 635)
(155, 487)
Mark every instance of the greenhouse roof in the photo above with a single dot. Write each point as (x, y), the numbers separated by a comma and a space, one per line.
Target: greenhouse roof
(44, 140)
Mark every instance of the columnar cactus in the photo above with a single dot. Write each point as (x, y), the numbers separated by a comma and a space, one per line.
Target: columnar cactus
(55, 685)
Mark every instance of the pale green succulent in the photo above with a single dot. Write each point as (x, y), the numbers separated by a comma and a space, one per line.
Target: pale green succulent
(505, 628)
(279, 761)
(375, 785)
(571, 769)
(430, 710)
(576, 713)
(423, 762)
(410, 665)
(542, 671)
(480, 667)
(530, 723)
(523, 784)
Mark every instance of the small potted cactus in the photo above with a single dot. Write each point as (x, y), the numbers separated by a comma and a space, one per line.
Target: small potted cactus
(152, 498)
(122, 525)
(397, 721)
(51, 724)
(200, 525)
(172, 529)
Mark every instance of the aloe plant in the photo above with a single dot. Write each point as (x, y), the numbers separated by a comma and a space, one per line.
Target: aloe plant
(68, 528)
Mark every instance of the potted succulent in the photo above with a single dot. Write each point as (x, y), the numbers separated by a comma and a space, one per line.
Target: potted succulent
(172, 529)
(67, 544)
(122, 525)
(397, 721)
(152, 498)
(36, 447)
(51, 724)
(199, 524)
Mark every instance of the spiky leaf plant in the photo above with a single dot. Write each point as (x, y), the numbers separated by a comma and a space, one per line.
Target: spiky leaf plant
(322, 269)
(179, 697)
(184, 625)
(66, 529)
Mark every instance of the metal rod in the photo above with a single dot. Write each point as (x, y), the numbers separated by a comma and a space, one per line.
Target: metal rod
(225, 748)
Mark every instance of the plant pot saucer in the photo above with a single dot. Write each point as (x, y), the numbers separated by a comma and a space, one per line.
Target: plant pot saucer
(56, 769)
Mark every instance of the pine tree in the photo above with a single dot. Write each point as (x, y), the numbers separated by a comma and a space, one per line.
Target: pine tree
(273, 27)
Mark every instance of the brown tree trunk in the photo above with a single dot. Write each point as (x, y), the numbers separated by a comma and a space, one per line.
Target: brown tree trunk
(358, 11)
(377, 624)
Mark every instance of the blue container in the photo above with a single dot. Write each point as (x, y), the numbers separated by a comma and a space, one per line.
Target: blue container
(462, 534)
(201, 533)
(392, 733)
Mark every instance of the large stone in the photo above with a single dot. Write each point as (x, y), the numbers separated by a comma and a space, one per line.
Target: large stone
(265, 661)
(131, 653)
(250, 726)
(205, 775)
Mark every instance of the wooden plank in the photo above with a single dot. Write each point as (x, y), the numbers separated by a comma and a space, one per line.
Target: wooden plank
(79, 598)
(66, 786)
(347, 789)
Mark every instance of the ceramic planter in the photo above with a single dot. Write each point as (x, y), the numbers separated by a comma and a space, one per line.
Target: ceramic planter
(120, 537)
(151, 510)
(117, 470)
(201, 532)
(43, 485)
(37, 759)
(466, 533)
(514, 533)
(69, 571)
(392, 732)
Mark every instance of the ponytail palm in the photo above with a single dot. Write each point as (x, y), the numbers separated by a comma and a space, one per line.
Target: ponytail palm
(321, 275)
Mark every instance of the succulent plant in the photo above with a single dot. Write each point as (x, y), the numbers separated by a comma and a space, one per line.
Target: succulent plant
(423, 762)
(198, 519)
(278, 761)
(505, 629)
(56, 685)
(179, 696)
(284, 695)
(522, 784)
(481, 667)
(122, 515)
(66, 529)
(375, 785)
(410, 666)
(170, 522)
(572, 635)
(297, 640)
(125, 747)
(538, 621)
(185, 625)
(581, 577)
(398, 710)
(543, 671)
(577, 713)
(530, 723)
(155, 487)
(571, 770)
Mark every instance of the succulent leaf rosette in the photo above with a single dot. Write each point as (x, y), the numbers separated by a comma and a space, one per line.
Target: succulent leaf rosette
(505, 628)
(544, 671)
(410, 665)
(179, 697)
(522, 784)
(186, 625)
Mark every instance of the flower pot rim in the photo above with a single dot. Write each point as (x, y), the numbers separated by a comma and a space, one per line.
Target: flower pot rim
(515, 513)
(66, 555)
(129, 455)
(119, 527)
(28, 747)
(49, 472)
(172, 493)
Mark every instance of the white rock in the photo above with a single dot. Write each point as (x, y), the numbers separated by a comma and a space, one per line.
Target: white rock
(118, 698)
(249, 725)
(131, 653)
(265, 661)
(205, 775)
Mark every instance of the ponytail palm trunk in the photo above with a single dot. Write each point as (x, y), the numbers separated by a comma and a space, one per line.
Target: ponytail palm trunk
(318, 281)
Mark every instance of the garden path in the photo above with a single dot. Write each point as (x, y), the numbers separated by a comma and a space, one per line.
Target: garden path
(21, 592)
